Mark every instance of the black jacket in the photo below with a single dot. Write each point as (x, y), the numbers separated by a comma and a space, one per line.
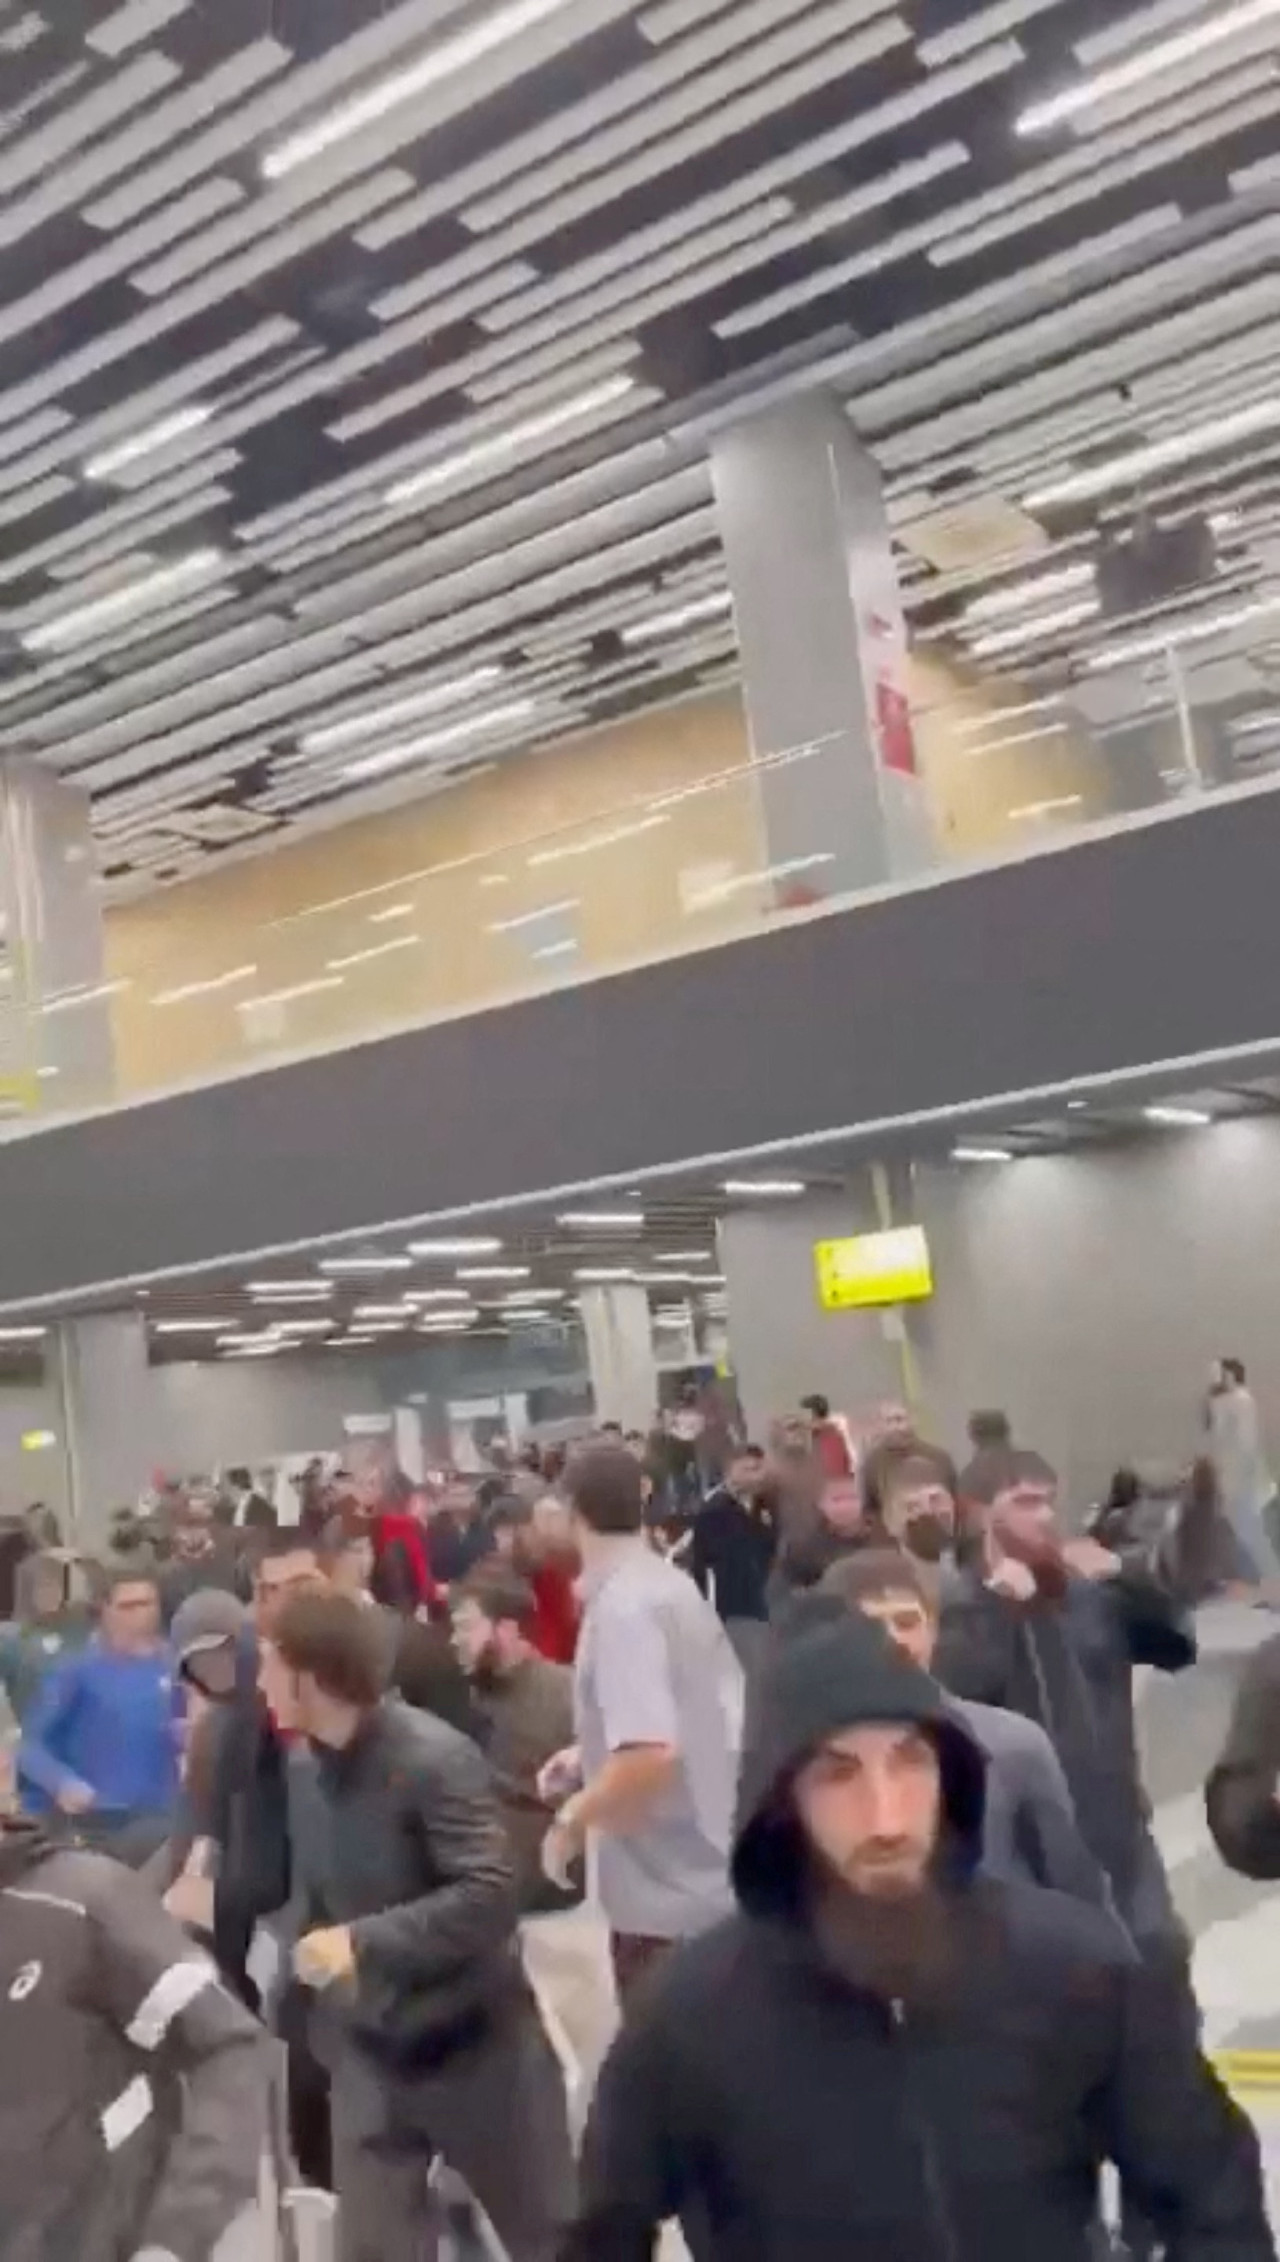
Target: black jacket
(1240, 1795)
(247, 1818)
(1068, 1664)
(731, 1551)
(789, 2115)
(400, 1837)
(133, 2090)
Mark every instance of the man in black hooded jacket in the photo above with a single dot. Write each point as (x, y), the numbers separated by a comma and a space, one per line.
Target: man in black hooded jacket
(880, 2058)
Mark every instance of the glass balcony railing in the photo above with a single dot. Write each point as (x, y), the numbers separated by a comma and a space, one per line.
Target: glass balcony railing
(277, 956)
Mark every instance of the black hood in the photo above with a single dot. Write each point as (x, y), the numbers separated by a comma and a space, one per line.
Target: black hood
(829, 1674)
(22, 1844)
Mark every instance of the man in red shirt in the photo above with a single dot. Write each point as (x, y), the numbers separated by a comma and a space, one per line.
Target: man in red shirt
(832, 1442)
(550, 1563)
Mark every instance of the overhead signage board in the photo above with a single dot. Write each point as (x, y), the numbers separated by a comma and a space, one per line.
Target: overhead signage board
(869, 1269)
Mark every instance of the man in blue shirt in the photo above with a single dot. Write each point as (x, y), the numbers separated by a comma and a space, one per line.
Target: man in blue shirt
(100, 1742)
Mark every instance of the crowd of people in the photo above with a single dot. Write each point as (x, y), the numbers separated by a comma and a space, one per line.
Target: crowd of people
(812, 1763)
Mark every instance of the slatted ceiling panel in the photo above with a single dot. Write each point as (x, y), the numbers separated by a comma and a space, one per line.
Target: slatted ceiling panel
(741, 180)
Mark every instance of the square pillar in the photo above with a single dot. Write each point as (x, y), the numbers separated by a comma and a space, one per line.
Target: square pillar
(620, 1356)
(110, 1417)
(55, 1037)
(823, 649)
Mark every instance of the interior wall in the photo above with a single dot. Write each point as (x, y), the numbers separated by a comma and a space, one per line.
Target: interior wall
(569, 857)
(622, 843)
(996, 774)
(129, 1419)
(26, 1408)
(1087, 1293)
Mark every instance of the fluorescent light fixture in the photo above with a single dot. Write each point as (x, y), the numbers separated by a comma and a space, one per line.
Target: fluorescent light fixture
(680, 1279)
(514, 440)
(544, 911)
(1052, 808)
(86, 621)
(1074, 1106)
(373, 950)
(440, 1323)
(406, 85)
(25, 1334)
(518, 1296)
(1138, 463)
(1148, 62)
(623, 1221)
(440, 741)
(462, 1245)
(291, 1291)
(288, 1327)
(1190, 1118)
(402, 1311)
(66, 1001)
(419, 1296)
(366, 1264)
(210, 988)
(597, 1275)
(392, 711)
(494, 1272)
(188, 1327)
(530, 1312)
(311, 988)
(981, 1154)
(393, 911)
(1029, 631)
(594, 841)
(386, 1326)
(1020, 596)
(767, 1188)
(684, 1257)
(680, 616)
(1196, 631)
(268, 1348)
(144, 443)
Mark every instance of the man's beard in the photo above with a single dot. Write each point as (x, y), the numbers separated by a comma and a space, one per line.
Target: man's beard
(929, 1537)
(1043, 1557)
(901, 1947)
(487, 1672)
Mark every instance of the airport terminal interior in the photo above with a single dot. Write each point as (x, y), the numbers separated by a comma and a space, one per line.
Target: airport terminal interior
(639, 728)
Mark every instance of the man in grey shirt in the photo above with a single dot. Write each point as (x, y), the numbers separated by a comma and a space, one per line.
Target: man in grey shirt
(658, 1713)
(1029, 1825)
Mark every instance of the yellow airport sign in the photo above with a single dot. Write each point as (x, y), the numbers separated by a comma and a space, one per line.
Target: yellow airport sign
(874, 1268)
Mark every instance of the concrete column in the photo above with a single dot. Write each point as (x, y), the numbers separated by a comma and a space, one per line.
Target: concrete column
(823, 648)
(782, 1343)
(620, 1358)
(110, 1417)
(55, 1020)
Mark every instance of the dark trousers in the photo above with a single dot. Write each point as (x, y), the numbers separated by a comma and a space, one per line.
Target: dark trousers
(632, 1955)
(495, 2114)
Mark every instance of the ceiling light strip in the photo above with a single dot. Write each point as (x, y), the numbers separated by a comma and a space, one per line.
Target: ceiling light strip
(636, 91)
(777, 47)
(1181, 51)
(64, 186)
